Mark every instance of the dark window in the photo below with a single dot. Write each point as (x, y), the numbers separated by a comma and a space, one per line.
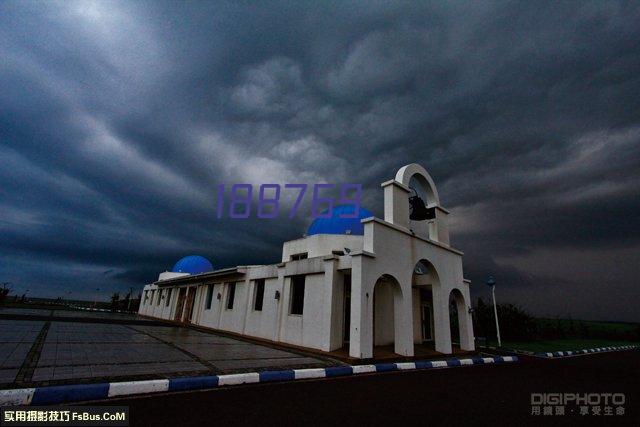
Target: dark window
(146, 296)
(296, 257)
(259, 298)
(347, 307)
(168, 296)
(297, 294)
(231, 295)
(209, 296)
(159, 297)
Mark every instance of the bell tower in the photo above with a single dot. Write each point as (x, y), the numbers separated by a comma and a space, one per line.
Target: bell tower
(404, 204)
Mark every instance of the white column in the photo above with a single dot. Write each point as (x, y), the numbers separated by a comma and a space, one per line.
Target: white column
(279, 305)
(249, 292)
(403, 320)
(331, 336)
(442, 329)
(396, 203)
(467, 339)
(360, 337)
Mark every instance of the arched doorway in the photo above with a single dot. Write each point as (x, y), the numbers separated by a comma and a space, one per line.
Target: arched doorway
(458, 319)
(424, 285)
(387, 300)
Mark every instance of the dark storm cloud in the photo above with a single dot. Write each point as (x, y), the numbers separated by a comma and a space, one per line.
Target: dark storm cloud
(118, 119)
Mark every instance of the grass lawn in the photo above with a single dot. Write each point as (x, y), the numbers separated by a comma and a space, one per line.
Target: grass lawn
(592, 325)
(564, 345)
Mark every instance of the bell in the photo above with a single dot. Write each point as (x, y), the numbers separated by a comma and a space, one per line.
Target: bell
(418, 210)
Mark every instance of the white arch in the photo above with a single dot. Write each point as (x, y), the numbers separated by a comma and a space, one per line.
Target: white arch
(465, 322)
(389, 285)
(405, 174)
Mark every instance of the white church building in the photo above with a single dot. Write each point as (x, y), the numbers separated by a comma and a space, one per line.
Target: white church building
(355, 284)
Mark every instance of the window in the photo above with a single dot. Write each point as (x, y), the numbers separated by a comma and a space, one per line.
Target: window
(146, 296)
(159, 297)
(168, 297)
(347, 308)
(231, 295)
(209, 296)
(297, 294)
(153, 294)
(296, 257)
(259, 295)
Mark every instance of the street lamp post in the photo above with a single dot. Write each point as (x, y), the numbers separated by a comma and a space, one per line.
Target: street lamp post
(491, 282)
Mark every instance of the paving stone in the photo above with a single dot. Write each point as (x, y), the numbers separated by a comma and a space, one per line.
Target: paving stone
(145, 368)
(8, 375)
(75, 350)
(43, 374)
(226, 365)
(15, 354)
(226, 352)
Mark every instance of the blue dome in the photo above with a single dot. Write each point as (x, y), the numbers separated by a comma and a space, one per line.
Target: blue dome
(337, 225)
(193, 264)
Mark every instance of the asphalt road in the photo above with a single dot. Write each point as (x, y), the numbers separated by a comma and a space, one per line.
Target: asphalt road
(476, 395)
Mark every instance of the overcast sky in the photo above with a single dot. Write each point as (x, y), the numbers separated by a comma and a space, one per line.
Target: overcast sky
(119, 119)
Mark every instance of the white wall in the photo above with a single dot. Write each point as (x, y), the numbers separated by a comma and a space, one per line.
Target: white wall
(395, 251)
(417, 316)
(274, 322)
(320, 326)
(321, 244)
(384, 313)
(306, 329)
(263, 323)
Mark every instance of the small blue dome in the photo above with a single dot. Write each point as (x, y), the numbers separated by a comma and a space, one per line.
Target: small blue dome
(337, 225)
(193, 264)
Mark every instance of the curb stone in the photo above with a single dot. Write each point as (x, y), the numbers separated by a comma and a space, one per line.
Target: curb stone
(556, 354)
(51, 395)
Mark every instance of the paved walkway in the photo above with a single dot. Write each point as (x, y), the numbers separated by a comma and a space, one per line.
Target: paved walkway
(40, 352)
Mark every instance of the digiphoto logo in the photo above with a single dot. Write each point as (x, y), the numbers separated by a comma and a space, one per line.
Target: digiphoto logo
(596, 404)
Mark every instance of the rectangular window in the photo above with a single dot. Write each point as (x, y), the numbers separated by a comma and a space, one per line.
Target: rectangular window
(296, 257)
(347, 308)
(153, 294)
(168, 297)
(297, 294)
(231, 295)
(159, 297)
(259, 295)
(146, 296)
(209, 296)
